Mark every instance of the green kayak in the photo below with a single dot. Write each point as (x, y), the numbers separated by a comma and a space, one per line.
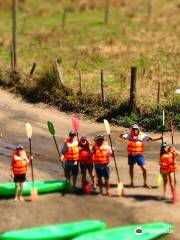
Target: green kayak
(8, 189)
(52, 232)
(133, 232)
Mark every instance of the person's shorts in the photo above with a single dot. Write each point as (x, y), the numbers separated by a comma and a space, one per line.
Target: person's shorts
(86, 166)
(102, 171)
(19, 178)
(133, 159)
(71, 168)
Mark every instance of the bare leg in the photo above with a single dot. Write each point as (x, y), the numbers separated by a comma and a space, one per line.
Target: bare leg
(74, 180)
(20, 192)
(83, 177)
(17, 190)
(165, 180)
(144, 170)
(100, 185)
(107, 186)
(131, 173)
(170, 177)
(93, 178)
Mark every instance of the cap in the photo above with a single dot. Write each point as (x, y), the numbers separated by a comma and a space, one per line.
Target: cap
(19, 146)
(83, 138)
(164, 145)
(99, 137)
(135, 126)
(72, 134)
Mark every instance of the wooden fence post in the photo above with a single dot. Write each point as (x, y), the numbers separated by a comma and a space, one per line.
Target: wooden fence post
(158, 95)
(80, 82)
(14, 33)
(102, 86)
(32, 69)
(133, 107)
(59, 74)
(150, 7)
(106, 12)
(64, 18)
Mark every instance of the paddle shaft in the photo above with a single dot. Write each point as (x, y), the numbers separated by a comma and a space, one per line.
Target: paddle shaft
(172, 141)
(32, 168)
(114, 158)
(58, 151)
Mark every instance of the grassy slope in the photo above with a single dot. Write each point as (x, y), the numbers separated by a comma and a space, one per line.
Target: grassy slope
(86, 43)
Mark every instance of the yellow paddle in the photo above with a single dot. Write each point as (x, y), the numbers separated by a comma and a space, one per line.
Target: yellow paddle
(29, 135)
(120, 188)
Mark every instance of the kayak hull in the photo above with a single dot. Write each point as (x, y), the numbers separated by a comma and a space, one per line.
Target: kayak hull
(8, 189)
(53, 232)
(135, 232)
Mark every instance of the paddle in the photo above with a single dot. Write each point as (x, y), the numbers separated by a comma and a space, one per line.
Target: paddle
(75, 125)
(29, 135)
(52, 132)
(174, 188)
(120, 184)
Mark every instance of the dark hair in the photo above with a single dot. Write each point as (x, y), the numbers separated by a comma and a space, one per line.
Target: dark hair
(84, 146)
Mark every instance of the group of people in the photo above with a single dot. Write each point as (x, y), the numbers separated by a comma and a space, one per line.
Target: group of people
(94, 159)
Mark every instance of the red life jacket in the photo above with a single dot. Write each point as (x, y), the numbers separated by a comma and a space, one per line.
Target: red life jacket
(101, 154)
(168, 162)
(136, 145)
(85, 156)
(72, 153)
(19, 163)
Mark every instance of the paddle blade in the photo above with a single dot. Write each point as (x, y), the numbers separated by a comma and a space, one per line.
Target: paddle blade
(34, 194)
(51, 128)
(107, 126)
(75, 123)
(159, 182)
(120, 189)
(29, 130)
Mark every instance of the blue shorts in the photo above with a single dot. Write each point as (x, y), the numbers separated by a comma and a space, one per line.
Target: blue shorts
(102, 171)
(133, 159)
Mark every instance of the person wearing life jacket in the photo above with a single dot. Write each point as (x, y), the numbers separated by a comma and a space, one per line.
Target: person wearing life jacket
(70, 156)
(168, 166)
(19, 166)
(136, 151)
(101, 156)
(86, 163)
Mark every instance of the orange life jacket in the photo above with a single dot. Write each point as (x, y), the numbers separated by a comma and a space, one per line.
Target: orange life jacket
(101, 154)
(19, 163)
(168, 162)
(85, 156)
(136, 145)
(72, 153)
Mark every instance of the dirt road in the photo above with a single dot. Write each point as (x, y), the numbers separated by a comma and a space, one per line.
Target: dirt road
(140, 205)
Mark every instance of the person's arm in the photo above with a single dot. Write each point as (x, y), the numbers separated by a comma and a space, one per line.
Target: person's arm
(124, 135)
(63, 151)
(148, 138)
(175, 151)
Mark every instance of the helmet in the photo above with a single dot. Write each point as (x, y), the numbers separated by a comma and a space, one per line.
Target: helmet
(99, 137)
(72, 134)
(135, 126)
(164, 145)
(83, 138)
(19, 146)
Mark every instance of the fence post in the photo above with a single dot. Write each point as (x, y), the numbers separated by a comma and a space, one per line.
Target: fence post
(32, 69)
(80, 82)
(64, 18)
(59, 74)
(106, 13)
(102, 86)
(14, 33)
(158, 95)
(150, 7)
(133, 107)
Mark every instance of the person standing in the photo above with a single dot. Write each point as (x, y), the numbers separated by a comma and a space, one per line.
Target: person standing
(168, 166)
(136, 151)
(86, 163)
(101, 156)
(19, 166)
(70, 156)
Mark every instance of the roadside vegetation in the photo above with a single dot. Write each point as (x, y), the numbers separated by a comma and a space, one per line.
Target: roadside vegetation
(130, 38)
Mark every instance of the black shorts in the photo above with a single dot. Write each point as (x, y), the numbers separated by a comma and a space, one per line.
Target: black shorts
(19, 178)
(71, 168)
(86, 166)
(102, 171)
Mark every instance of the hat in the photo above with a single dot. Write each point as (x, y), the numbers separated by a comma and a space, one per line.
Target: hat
(164, 145)
(135, 126)
(72, 134)
(83, 138)
(19, 146)
(99, 137)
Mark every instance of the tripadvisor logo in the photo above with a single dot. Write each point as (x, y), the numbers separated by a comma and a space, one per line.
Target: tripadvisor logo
(139, 231)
